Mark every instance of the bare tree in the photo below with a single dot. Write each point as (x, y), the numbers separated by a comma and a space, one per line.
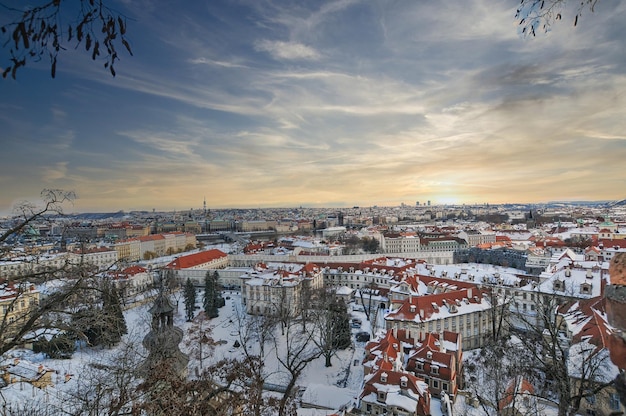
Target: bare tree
(294, 356)
(499, 363)
(535, 14)
(42, 31)
(106, 385)
(77, 283)
(199, 339)
(546, 341)
(331, 325)
(246, 377)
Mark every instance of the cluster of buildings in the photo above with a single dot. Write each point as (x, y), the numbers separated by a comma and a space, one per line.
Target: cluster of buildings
(433, 308)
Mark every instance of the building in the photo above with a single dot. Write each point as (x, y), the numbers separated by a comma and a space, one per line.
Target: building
(273, 290)
(519, 399)
(447, 305)
(398, 243)
(475, 238)
(20, 371)
(16, 303)
(394, 392)
(195, 266)
(132, 281)
(437, 359)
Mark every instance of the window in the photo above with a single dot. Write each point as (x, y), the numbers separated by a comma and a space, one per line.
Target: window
(614, 401)
(420, 366)
(381, 396)
(444, 386)
(435, 384)
(434, 370)
(591, 399)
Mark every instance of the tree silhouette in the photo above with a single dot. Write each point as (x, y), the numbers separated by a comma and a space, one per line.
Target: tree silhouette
(39, 31)
(535, 14)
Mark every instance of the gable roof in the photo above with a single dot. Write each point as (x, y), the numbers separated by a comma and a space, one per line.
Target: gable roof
(413, 397)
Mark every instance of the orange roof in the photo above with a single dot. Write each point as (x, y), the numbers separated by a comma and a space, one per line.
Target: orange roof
(196, 259)
(517, 386)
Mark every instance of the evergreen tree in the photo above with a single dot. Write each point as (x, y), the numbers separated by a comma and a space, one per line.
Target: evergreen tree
(103, 325)
(190, 300)
(114, 321)
(341, 328)
(219, 300)
(210, 295)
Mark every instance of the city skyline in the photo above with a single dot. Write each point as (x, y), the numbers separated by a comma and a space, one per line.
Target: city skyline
(335, 104)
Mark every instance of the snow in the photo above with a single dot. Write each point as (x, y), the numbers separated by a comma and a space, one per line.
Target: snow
(598, 364)
(327, 396)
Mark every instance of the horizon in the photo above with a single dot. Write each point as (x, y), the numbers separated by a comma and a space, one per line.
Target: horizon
(362, 207)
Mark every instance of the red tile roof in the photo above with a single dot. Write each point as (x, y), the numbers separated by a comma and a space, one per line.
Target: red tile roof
(196, 259)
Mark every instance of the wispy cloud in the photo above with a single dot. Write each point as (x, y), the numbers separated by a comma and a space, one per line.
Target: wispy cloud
(287, 50)
(283, 103)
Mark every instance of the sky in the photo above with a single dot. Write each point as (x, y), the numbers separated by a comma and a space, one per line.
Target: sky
(263, 103)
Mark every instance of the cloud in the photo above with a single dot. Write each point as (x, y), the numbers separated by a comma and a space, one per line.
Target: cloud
(211, 62)
(287, 50)
(280, 103)
(55, 173)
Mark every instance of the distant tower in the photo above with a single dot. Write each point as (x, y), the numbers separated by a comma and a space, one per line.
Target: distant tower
(163, 339)
(428, 202)
(204, 207)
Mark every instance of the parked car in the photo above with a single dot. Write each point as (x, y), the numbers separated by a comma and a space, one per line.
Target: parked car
(362, 336)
